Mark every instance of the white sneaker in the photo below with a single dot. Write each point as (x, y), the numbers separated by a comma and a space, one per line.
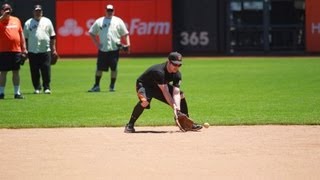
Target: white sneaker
(47, 91)
(37, 91)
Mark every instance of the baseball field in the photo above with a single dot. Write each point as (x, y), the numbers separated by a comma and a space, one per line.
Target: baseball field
(264, 114)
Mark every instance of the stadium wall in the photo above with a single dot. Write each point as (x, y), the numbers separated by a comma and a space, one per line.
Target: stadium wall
(157, 26)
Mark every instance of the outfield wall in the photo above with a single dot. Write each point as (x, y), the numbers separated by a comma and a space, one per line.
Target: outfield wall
(205, 27)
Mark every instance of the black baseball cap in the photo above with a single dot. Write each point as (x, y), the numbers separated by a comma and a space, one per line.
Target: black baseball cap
(175, 58)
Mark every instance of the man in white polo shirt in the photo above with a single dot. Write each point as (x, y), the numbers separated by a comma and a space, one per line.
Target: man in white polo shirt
(107, 33)
(41, 43)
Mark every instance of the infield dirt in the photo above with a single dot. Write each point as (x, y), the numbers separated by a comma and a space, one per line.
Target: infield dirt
(219, 152)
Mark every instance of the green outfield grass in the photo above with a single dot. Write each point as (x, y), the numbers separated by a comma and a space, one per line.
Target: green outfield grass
(221, 91)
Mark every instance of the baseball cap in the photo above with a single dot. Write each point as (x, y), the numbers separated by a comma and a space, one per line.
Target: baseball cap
(175, 58)
(37, 7)
(6, 6)
(109, 6)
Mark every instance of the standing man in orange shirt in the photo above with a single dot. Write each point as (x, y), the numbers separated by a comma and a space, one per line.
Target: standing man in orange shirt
(12, 49)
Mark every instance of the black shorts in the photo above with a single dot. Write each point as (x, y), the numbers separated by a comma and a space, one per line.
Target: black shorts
(107, 60)
(10, 61)
(153, 92)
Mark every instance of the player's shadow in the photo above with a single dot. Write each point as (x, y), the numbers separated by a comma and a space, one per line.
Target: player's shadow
(157, 132)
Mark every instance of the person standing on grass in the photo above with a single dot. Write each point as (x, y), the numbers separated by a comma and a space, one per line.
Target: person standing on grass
(162, 82)
(106, 34)
(12, 50)
(41, 43)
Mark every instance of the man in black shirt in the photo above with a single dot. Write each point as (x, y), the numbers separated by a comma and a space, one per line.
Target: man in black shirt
(162, 82)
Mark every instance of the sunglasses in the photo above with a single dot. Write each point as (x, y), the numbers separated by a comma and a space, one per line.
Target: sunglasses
(176, 65)
(110, 10)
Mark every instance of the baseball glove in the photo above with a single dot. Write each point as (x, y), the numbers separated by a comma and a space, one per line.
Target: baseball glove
(54, 58)
(184, 122)
(24, 57)
(122, 47)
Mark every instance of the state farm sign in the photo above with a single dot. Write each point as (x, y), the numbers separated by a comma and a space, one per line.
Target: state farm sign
(71, 28)
(150, 28)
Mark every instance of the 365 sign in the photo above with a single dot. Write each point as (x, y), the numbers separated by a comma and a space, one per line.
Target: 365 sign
(150, 29)
(194, 38)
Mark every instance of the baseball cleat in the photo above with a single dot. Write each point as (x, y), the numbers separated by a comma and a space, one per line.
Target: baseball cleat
(129, 129)
(94, 89)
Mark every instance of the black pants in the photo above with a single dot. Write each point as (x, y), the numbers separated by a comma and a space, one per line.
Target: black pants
(154, 92)
(40, 65)
(149, 93)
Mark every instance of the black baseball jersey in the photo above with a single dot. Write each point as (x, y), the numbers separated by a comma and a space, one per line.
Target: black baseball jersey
(158, 74)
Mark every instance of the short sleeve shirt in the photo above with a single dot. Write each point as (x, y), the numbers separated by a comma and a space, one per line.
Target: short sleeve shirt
(10, 30)
(110, 31)
(158, 74)
(38, 34)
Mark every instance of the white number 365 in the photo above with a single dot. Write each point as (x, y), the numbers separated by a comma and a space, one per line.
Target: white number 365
(194, 39)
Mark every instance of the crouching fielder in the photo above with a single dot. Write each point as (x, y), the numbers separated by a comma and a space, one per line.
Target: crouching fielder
(162, 82)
